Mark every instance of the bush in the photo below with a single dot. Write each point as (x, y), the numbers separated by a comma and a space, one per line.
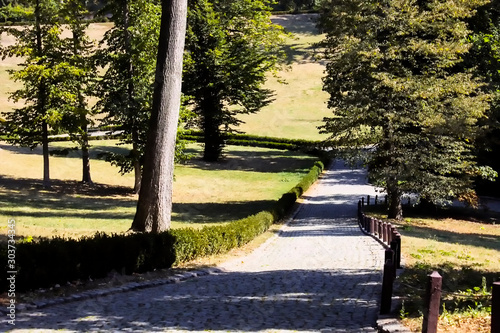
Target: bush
(45, 262)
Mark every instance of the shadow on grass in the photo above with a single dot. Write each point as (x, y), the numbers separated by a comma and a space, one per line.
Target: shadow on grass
(196, 213)
(67, 152)
(456, 282)
(299, 53)
(272, 161)
(297, 24)
(450, 237)
(72, 200)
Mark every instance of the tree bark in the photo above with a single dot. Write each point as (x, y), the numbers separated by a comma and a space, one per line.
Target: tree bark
(42, 100)
(154, 207)
(45, 152)
(86, 179)
(137, 164)
(395, 205)
(130, 103)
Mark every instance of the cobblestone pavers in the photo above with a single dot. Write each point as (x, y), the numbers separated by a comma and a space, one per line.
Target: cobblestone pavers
(318, 274)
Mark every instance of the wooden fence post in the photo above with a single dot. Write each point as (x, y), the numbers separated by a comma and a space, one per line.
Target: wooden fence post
(367, 224)
(394, 248)
(432, 303)
(362, 201)
(397, 260)
(387, 284)
(372, 226)
(495, 308)
(368, 200)
(376, 200)
(384, 232)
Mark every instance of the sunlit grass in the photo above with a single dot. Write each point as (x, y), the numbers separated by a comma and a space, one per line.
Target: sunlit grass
(246, 181)
(463, 251)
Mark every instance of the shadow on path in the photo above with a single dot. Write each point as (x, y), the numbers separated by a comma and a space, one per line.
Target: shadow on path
(286, 300)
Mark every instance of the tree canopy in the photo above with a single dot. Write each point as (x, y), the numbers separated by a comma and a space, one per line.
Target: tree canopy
(230, 48)
(398, 93)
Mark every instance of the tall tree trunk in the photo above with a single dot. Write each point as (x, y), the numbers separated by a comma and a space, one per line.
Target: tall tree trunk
(130, 103)
(395, 205)
(86, 179)
(45, 152)
(154, 207)
(42, 100)
(137, 165)
(213, 139)
(83, 122)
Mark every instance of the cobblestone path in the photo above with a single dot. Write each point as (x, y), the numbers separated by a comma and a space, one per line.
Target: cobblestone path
(318, 274)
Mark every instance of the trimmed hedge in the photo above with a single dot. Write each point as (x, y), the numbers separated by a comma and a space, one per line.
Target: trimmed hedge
(313, 147)
(45, 262)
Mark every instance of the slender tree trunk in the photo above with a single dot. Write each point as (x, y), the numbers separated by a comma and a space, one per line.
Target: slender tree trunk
(86, 179)
(137, 166)
(45, 152)
(154, 207)
(42, 100)
(130, 95)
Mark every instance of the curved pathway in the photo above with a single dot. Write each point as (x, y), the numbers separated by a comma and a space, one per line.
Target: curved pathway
(318, 274)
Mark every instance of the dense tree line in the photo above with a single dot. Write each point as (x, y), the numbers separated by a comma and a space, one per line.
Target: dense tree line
(230, 46)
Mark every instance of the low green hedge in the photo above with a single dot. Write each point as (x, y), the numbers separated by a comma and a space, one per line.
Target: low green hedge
(45, 262)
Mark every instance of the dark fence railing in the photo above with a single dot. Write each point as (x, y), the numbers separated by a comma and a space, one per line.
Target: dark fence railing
(390, 238)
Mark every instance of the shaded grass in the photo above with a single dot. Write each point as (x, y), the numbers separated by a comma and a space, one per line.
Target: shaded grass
(464, 247)
(248, 180)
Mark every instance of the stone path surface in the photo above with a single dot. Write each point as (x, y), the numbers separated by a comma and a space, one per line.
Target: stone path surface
(318, 274)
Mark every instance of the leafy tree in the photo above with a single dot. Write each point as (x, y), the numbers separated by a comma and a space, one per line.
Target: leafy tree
(485, 56)
(39, 45)
(230, 47)
(79, 80)
(128, 53)
(154, 207)
(395, 87)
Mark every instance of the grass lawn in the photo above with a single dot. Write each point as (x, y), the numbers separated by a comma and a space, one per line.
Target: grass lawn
(300, 105)
(247, 181)
(463, 247)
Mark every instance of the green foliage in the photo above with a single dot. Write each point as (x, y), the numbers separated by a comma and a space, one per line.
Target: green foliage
(40, 73)
(395, 83)
(230, 47)
(485, 56)
(236, 139)
(464, 290)
(13, 12)
(45, 262)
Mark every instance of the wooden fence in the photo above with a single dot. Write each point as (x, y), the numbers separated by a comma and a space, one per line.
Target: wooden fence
(390, 238)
